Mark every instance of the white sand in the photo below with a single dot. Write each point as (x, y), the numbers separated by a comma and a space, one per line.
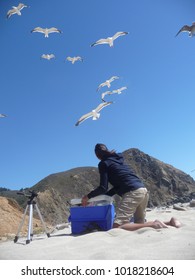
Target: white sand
(144, 244)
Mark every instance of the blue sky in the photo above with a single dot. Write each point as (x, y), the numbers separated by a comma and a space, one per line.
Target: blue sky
(44, 99)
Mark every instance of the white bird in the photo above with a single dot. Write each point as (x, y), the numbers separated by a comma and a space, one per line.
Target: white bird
(94, 113)
(48, 56)
(46, 31)
(187, 28)
(118, 91)
(3, 115)
(108, 82)
(16, 10)
(73, 59)
(109, 40)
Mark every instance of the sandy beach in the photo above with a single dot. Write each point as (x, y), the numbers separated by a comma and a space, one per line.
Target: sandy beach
(115, 244)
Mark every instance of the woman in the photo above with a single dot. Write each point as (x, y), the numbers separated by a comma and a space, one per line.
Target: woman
(134, 195)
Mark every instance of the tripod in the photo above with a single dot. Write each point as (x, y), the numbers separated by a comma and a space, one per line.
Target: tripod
(31, 204)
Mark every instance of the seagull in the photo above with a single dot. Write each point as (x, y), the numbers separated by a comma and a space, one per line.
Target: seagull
(107, 82)
(118, 91)
(3, 115)
(189, 29)
(16, 10)
(109, 40)
(46, 31)
(94, 113)
(73, 59)
(48, 56)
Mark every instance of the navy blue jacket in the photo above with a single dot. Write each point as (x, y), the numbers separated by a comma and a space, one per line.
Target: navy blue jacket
(113, 170)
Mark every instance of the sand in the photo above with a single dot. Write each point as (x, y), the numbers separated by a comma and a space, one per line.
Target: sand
(116, 244)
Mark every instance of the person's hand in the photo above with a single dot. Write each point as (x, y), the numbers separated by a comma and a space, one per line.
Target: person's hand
(84, 200)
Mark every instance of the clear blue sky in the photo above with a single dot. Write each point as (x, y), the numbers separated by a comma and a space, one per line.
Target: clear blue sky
(44, 99)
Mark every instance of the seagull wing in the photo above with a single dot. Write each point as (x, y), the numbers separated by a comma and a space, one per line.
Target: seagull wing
(69, 58)
(102, 105)
(79, 58)
(21, 6)
(105, 93)
(38, 29)
(185, 28)
(101, 85)
(3, 115)
(11, 12)
(101, 41)
(118, 34)
(53, 29)
(83, 118)
(113, 78)
(123, 88)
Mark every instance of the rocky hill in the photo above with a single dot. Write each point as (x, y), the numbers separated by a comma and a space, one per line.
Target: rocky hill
(167, 185)
(10, 218)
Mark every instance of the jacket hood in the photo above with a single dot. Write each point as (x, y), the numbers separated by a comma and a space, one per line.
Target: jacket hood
(117, 157)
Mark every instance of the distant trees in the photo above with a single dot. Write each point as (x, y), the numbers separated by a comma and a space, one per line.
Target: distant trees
(4, 189)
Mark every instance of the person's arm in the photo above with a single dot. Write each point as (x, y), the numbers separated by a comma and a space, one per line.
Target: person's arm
(111, 192)
(103, 187)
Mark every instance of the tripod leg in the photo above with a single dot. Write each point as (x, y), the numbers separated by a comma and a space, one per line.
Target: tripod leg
(30, 224)
(41, 218)
(31, 229)
(21, 224)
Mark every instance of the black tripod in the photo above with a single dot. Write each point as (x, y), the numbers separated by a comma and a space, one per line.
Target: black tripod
(31, 204)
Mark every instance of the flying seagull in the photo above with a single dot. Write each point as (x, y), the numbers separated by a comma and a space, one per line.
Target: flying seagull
(118, 91)
(48, 56)
(108, 82)
(3, 115)
(16, 10)
(94, 113)
(46, 31)
(73, 59)
(109, 40)
(187, 28)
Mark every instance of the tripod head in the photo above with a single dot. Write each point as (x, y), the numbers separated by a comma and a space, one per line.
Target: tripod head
(30, 196)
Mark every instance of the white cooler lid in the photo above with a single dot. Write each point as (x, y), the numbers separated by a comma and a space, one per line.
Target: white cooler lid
(103, 197)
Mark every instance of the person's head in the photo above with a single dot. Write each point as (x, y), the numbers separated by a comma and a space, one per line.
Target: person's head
(102, 151)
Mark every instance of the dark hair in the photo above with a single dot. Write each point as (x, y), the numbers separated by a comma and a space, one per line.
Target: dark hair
(102, 151)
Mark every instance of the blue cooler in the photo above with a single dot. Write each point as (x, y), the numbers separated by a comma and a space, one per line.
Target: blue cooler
(89, 218)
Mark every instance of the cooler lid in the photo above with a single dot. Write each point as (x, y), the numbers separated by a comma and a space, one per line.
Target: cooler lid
(105, 198)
